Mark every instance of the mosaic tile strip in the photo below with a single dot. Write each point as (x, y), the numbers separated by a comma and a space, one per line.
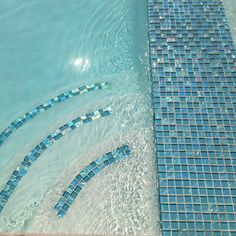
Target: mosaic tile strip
(16, 124)
(193, 70)
(22, 170)
(72, 191)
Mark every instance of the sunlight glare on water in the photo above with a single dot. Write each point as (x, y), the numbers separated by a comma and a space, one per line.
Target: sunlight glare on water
(48, 47)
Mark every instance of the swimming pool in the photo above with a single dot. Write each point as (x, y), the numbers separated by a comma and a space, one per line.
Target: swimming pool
(52, 47)
(77, 151)
(193, 70)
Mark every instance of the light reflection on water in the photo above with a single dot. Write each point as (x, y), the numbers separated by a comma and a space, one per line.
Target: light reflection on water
(80, 60)
(48, 47)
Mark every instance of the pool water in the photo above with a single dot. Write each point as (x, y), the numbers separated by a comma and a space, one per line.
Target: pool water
(230, 10)
(49, 47)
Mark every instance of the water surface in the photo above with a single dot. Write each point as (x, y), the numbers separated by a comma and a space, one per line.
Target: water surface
(48, 47)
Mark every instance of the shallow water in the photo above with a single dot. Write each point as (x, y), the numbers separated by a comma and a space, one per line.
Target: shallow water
(230, 9)
(48, 47)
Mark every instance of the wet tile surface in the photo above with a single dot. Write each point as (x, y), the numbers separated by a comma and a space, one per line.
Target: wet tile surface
(16, 124)
(77, 184)
(22, 170)
(193, 68)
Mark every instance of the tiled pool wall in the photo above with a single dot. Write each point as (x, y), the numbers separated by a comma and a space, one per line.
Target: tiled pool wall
(193, 71)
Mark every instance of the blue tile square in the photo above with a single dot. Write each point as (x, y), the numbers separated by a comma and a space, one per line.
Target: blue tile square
(74, 194)
(78, 189)
(57, 207)
(86, 178)
(74, 182)
(66, 194)
(96, 170)
(91, 174)
(61, 213)
(69, 201)
(65, 207)
(79, 177)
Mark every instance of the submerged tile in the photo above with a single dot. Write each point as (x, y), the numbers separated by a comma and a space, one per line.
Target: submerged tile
(34, 155)
(49, 104)
(85, 175)
(192, 65)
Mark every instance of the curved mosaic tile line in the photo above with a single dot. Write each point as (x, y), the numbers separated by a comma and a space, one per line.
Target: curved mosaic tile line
(39, 149)
(16, 124)
(69, 195)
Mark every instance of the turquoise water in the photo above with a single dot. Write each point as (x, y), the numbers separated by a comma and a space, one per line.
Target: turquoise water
(230, 9)
(48, 47)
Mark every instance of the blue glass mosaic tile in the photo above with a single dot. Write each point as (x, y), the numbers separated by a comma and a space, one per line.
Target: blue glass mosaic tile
(38, 151)
(49, 104)
(69, 195)
(193, 70)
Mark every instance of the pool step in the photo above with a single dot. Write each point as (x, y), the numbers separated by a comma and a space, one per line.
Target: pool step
(69, 195)
(43, 146)
(16, 124)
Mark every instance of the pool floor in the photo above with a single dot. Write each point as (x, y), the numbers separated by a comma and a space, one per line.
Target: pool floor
(48, 48)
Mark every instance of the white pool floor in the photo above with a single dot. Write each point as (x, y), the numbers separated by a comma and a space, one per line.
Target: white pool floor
(48, 47)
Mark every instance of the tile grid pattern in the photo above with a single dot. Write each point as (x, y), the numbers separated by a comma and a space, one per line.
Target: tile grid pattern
(69, 195)
(193, 68)
(22, 170)
(16, 124)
